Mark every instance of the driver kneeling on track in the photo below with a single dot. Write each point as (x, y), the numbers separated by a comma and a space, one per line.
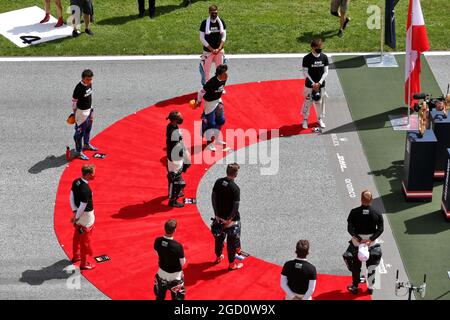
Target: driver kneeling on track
(365, 225)
(226, 223)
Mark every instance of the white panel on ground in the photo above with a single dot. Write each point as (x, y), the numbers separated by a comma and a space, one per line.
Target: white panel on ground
(400, 122)
(22, 27)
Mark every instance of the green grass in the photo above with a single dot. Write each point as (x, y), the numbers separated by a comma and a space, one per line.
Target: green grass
(254, 26)
(420, 229)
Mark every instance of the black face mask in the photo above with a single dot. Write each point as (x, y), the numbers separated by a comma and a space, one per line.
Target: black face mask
(318, 50)
(179, 120)
(213, 16)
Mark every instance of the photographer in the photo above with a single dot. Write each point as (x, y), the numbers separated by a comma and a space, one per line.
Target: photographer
(226, 223)
(365, 225)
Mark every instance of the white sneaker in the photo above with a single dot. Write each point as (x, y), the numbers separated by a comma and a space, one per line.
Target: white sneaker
(321, 123)
(224, 91)
(211, 147)
(305, 124)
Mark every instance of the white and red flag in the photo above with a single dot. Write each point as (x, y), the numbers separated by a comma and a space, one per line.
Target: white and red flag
(416, 43)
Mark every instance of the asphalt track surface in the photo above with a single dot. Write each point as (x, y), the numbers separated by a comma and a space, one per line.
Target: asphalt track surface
(34, 103)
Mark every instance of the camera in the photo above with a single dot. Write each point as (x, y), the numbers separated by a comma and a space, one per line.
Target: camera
(432, 103)
(441, 103)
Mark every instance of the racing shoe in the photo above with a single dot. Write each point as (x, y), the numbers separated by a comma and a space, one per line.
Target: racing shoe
(219, 259)
(176, 204)
(82, 156)
(235, 266)
(87, 266)
(353, 289)
(370, 291)
(89, 147)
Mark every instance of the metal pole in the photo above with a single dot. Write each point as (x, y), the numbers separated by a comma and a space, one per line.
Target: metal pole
(382, 33)
(410, 69)
(409, 94)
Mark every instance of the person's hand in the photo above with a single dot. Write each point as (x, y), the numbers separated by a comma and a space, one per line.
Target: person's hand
(316, 86)
(366, 242)
(215, 51)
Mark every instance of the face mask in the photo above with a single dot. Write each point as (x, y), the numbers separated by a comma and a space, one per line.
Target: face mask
(180, 121)
(318, 50)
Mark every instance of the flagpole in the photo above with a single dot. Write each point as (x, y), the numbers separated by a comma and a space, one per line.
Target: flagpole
(382, 34)
(409, 93)
(410, 67)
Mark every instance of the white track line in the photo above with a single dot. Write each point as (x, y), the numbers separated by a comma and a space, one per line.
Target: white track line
(195, 57)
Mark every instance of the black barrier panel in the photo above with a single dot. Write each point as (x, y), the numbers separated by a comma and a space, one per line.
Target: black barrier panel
(389, 31)
(445, 205)
(440, 125)
(418, 171)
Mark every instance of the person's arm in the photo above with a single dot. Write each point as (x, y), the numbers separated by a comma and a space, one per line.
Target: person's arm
(306, 74)
(311, 288)
(285, 287)
(72, 202)
(204, 42)
(236, 200)
(380, 227)
(80, 210)
(224, 38)
(182, 256)
(75, 97)
(201, 93)
(214, 204)
(351, 227)
(324, 76)
(234, 210)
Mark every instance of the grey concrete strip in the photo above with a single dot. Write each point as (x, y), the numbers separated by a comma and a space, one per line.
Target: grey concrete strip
(441, 68)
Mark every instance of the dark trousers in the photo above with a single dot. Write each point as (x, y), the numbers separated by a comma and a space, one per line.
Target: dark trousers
(213, 122)
(176, 287)
(151, 6)
(356, 265)
(83, 132)
(176, 185)
(233, 237)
